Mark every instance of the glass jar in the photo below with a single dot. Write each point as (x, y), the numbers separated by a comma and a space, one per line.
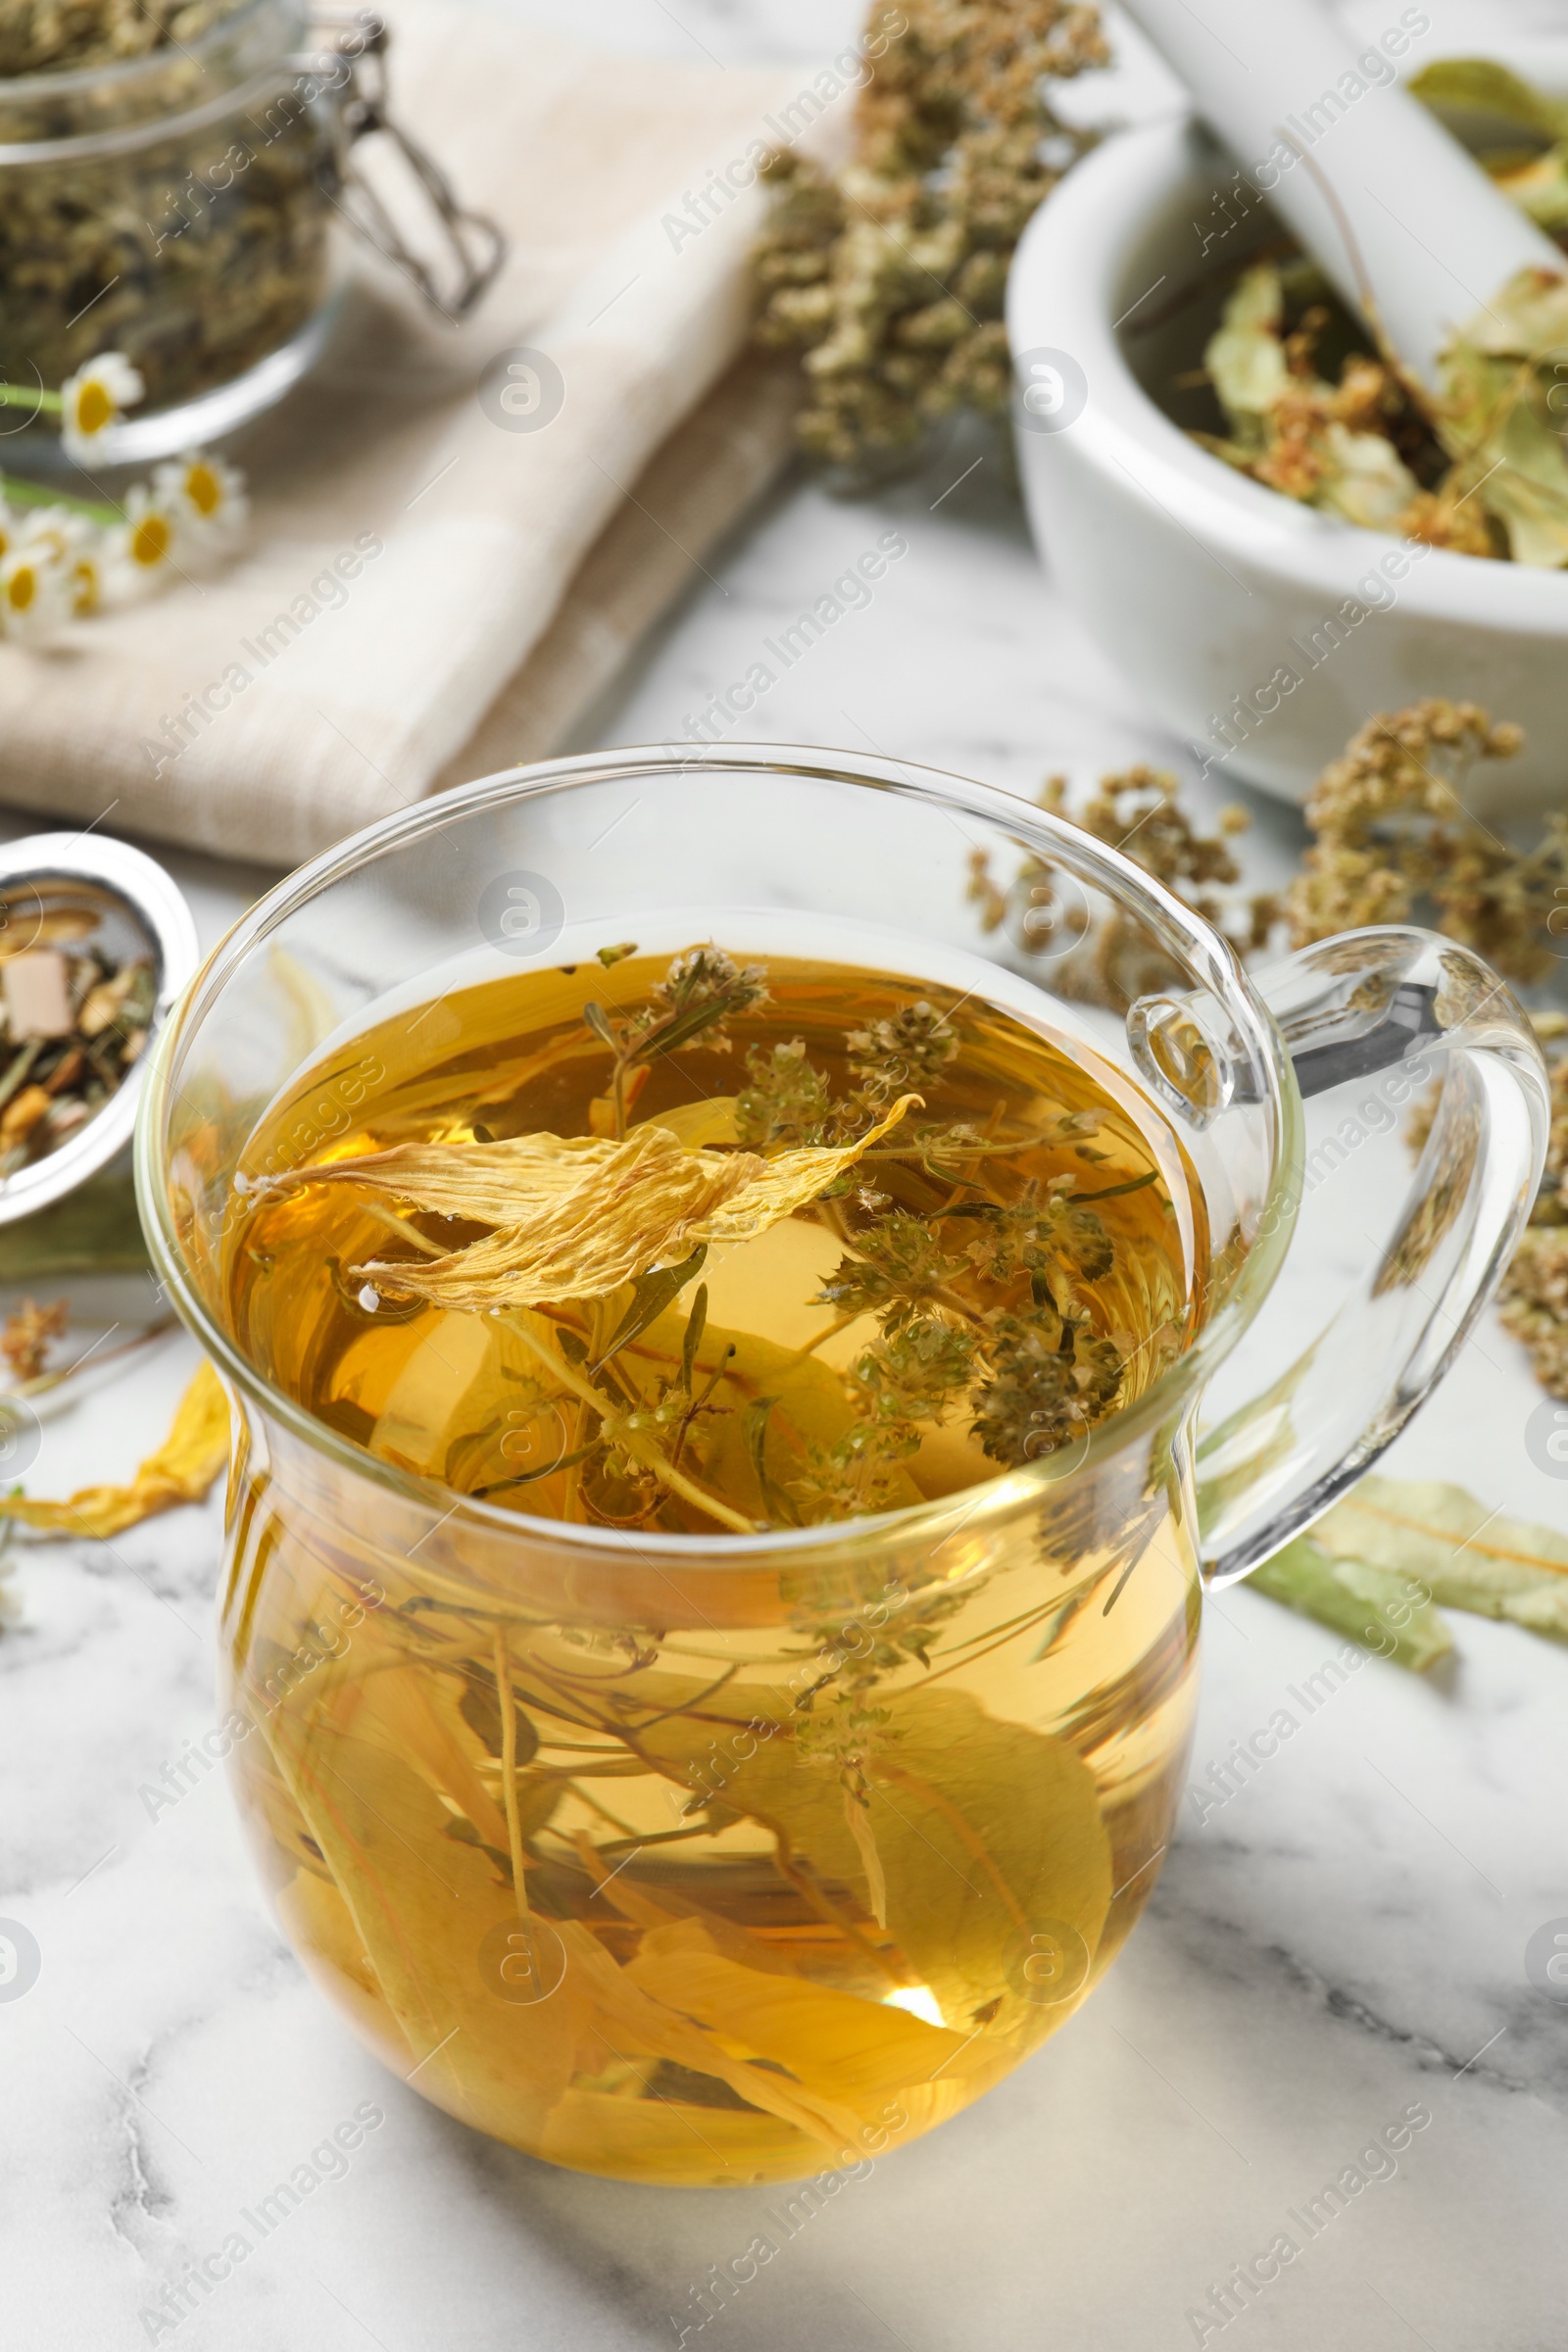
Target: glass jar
(554, 1811)
(175, 207)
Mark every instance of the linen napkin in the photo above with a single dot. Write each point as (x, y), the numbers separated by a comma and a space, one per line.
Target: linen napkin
(428, 594)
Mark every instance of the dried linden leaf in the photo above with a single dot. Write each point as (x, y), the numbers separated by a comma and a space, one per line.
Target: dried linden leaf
(1500, 378)
(194, 1454)
(1373, 1605)
(1366, 480)
(966, 1871)
(1467, 1557)
(577, 1216)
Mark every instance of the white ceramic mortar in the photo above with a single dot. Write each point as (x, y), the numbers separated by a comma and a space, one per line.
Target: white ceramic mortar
(1208, 590)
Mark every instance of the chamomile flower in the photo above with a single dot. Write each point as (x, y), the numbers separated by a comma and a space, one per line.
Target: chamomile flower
(36, 597)
(78, 546)
(94, 399)
(49, 531)
(145, 542)
(92, 578)
(208, 497)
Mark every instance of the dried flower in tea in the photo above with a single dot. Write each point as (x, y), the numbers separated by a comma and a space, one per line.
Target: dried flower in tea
(974, 1285)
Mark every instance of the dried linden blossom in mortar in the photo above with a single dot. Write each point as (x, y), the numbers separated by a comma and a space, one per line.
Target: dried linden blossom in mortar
(1315, 414)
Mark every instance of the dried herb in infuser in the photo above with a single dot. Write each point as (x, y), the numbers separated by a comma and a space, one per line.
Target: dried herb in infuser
(74, 1020)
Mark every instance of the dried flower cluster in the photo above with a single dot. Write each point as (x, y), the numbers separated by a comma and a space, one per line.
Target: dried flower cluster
(888, 276)
(26, 1336)
(1391, 828)
(1393, 840)
(1533, 1297)
(1315, 413)
(1105, 956)
(67, 558)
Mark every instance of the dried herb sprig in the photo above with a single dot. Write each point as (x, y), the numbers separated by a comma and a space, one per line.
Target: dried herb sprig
(703, 991)
(1100, 955)
(27, 1335)
(1392, 829)
(888, 275)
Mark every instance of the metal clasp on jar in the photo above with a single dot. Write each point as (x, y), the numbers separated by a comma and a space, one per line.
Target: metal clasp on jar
(471, 243)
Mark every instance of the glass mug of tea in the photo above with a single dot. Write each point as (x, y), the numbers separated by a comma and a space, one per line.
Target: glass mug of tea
(716, 1260)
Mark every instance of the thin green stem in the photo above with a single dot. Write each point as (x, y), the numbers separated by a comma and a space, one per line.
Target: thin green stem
(1134, 1184)
(39, 494)
(401, 1228)
(31, 396)
(509, 1766)
(635, 1444)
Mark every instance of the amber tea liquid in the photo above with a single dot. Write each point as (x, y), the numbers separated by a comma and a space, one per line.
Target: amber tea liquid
(703, 1874)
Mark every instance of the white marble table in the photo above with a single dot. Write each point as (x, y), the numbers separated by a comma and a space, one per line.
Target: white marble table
(1339, 1944)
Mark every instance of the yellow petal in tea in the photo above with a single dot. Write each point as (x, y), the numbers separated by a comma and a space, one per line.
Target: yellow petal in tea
(576, 1217)
(192, 1456)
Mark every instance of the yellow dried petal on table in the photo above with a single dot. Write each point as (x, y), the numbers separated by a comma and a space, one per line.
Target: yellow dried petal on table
(577, 1216)
(194, 1454)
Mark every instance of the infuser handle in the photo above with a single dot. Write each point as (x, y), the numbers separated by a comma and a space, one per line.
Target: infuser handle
(1402, 999)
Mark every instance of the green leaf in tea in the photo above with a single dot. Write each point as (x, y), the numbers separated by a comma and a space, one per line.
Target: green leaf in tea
(652, 1293)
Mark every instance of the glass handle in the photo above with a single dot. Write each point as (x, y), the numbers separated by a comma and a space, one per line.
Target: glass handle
(470, 245)
(1348, 1008)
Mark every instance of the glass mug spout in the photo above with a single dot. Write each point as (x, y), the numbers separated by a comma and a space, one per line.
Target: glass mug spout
(709, 1718)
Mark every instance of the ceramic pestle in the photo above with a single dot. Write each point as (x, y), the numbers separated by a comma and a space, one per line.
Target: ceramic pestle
(1369, 181)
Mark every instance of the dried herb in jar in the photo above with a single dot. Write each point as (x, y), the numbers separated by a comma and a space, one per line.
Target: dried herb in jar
(196, 254)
